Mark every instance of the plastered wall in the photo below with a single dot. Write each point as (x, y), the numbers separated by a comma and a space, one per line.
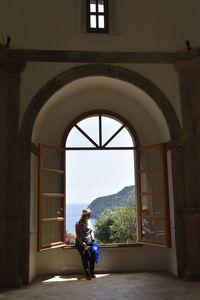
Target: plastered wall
(134, 25)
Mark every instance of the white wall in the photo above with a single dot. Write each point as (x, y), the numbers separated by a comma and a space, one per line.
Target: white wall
(140, 110)
(67, 261)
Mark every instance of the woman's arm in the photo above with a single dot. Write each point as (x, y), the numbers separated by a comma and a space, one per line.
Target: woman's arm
(91, 230)
(78, 235)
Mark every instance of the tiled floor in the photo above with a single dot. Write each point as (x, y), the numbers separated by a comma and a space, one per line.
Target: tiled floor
(134, 286)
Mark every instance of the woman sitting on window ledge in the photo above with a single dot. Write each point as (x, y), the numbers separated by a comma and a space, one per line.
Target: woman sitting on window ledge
(84, 240)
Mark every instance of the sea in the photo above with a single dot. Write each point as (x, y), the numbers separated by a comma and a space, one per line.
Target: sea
(73, 214)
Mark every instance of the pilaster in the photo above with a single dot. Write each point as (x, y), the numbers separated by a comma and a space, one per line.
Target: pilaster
(192, 230)
(10, 208)
(189, 80)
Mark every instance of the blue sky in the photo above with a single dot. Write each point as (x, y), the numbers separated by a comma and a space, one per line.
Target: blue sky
(94, 173)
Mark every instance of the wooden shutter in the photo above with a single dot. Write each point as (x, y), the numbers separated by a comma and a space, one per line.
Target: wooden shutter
(51, 204)
(152, 196)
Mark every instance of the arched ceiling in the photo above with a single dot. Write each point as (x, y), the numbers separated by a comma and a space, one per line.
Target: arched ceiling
(100, 92)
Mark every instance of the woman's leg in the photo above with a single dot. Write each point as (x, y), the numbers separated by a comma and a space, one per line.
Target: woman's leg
(85, 257)
(92, 263)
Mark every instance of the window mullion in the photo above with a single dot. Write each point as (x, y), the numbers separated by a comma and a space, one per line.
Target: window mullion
(97, 14)
(100, 131)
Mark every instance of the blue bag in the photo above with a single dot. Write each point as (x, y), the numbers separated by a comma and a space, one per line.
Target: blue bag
(95, 248)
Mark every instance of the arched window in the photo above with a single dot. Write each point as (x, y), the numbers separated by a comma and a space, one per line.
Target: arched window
(100, 175)
(104, 133)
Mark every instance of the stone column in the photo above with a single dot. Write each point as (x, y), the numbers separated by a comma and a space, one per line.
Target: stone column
(10, 208)
(189, 79)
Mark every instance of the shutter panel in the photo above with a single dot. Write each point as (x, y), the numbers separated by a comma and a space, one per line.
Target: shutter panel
(51, 204)
(152, 196)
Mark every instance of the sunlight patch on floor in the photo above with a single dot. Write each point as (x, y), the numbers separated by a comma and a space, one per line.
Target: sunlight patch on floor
(59, 279)
(101, 275)
(73, 278)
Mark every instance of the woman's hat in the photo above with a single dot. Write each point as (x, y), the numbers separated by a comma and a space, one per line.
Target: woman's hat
(86, 211)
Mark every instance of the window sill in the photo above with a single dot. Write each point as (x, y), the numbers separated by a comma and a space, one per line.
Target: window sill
(110, 246)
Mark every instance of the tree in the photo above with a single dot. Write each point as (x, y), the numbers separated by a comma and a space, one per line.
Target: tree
(116, 225)
(123, 230)
(102, 226)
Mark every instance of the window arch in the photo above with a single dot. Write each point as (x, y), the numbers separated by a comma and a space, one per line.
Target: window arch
(94, 132)
(152, 190)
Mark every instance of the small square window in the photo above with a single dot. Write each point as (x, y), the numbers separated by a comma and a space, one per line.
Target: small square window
(97, 16)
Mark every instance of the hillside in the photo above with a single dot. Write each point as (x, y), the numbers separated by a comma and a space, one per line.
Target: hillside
(125, 197)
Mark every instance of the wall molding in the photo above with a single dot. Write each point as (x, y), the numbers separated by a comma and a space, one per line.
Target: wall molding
(20, 56)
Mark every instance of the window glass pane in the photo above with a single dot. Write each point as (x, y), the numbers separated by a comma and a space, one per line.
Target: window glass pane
(153, 230)
(91, 127)
(52, 183)
(151, 182)
(101, 6)
(101, 21)
(122, 139)
(156, 182)
(109, 127)
(92, 6)
(152, 205)
(158, 206)
(52, 232)
(150, 158)
(52, 207)
(93, 22)
(77, 139)
(145, 205)
(144, 182)
(51, 159)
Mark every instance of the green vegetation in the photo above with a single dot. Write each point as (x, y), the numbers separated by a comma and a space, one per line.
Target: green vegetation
(116, 225)
(125, 197)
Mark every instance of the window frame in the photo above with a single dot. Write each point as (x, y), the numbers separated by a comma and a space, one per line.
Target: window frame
(105, 14)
